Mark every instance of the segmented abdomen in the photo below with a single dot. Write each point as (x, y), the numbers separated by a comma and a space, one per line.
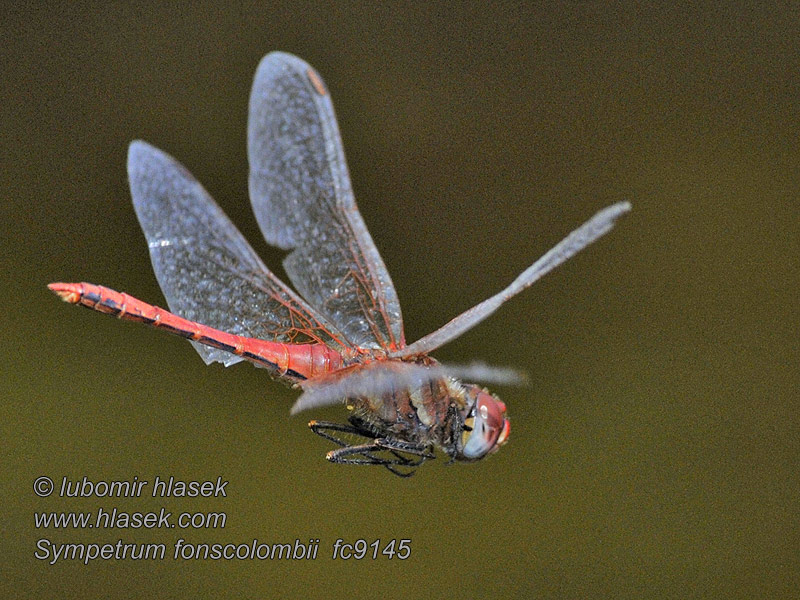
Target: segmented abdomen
(291, 362)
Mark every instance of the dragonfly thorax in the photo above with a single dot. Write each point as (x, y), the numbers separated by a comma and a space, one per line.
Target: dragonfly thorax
(463, 420)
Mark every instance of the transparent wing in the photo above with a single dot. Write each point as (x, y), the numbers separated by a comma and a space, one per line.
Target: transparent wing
(373, 380)
(206, 269)
(301, 195)
(597, 226)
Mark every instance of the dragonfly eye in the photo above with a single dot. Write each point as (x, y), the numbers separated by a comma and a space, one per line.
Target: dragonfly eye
(485, 427)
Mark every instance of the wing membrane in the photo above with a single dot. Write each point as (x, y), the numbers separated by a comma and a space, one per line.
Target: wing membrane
(301, 195)
(597, 226)
(206, 269)
(375, 379)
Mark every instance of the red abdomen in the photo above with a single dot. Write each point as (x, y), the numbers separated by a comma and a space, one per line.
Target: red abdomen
(291, 362)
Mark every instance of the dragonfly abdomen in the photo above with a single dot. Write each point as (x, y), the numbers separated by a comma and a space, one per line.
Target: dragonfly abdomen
(293, 362)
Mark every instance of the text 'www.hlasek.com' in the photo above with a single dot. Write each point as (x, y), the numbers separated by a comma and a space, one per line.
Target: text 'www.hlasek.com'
(111, 518)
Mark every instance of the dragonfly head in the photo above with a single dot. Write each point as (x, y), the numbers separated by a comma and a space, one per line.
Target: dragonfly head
(485, 426)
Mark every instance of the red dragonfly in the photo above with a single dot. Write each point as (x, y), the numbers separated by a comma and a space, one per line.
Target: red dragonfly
(339, 336)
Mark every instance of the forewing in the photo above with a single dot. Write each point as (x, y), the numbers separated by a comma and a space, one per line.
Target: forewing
(206, 269)
(380, 377)
(301, 194)
(596, 227)
(371, 380)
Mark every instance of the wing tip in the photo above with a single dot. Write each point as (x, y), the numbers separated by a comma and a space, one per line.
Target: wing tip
(140, 153)
(619, 209)
(138, 147)
(146, 160)
(273, 64)
(280, 56)
(275, 59)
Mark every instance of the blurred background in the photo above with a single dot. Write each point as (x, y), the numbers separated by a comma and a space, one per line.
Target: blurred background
(655, 452)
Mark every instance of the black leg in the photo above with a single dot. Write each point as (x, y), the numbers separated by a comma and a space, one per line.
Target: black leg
(424, 452)
(365, 454)
(321, 428)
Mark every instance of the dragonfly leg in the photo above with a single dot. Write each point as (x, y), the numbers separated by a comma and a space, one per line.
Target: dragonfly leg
(392, 445)
(424, 452)
(363, 455)
(321, 428)
(404, 461)
(356, 455)
(399, 473)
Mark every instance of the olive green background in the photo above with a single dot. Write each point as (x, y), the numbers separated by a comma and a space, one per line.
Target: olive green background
(655, 452)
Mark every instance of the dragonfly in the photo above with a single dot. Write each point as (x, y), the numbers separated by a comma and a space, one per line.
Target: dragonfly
(337, 335)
